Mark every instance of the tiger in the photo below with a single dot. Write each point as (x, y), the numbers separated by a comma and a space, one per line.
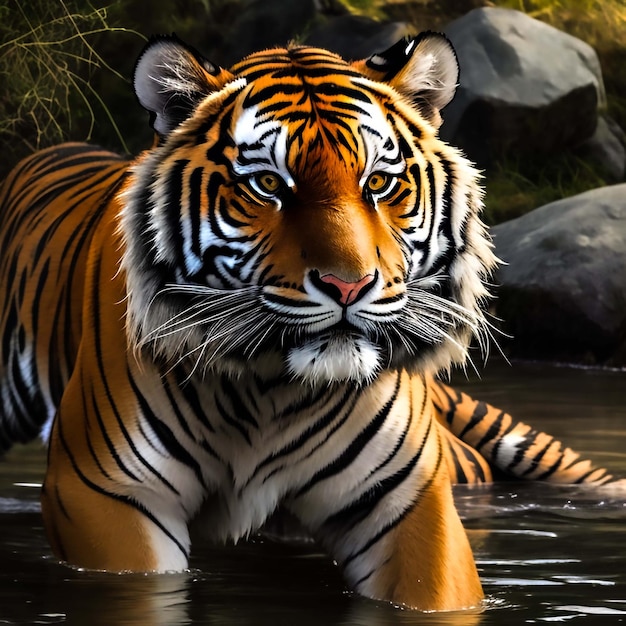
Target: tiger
(256, 314)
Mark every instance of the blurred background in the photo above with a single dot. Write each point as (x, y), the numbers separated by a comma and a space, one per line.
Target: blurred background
(65, 67)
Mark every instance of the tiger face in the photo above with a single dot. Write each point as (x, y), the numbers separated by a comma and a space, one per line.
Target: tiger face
(300, 213)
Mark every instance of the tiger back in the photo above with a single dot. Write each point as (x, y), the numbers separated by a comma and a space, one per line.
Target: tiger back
(251, 315)
(51, 205)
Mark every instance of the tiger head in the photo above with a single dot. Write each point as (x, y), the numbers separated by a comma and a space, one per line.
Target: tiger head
(299, 213)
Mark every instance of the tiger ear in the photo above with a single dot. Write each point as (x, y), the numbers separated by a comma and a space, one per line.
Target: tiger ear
(422, 68)
(171, 79)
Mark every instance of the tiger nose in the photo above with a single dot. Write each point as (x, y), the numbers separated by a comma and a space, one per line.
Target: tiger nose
(342, 291)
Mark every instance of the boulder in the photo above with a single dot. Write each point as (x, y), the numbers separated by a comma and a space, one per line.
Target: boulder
(265, 24)
(607, 147)
(268, 23)
(356, 36)
(524, 86)
(562, 293)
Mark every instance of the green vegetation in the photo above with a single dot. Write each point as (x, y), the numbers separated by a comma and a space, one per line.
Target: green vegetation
(47, 59)
(515, 185)
(512, 187)
(65, 68)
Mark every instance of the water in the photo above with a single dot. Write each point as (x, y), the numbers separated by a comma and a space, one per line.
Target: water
(545, 555)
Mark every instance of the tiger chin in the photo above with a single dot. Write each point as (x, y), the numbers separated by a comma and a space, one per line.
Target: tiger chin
(251, 315)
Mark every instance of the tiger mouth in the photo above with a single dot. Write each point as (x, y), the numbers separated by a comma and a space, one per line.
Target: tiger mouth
(342, 328)
(340, 331)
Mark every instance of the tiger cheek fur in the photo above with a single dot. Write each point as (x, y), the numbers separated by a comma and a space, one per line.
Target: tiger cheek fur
(267, 293)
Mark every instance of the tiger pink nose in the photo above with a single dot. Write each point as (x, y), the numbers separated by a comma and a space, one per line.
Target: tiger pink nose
(345, 292)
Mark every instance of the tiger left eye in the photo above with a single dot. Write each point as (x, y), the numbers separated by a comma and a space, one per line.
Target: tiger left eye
(378, 182)
(268, 183)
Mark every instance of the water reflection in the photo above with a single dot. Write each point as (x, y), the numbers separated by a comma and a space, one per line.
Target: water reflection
(545, 554)
(105, 599)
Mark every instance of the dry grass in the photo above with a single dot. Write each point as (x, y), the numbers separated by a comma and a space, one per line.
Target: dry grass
(47, 57)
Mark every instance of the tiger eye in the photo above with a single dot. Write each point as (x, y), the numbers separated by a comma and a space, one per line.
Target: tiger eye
(377, 182)
(268, 183)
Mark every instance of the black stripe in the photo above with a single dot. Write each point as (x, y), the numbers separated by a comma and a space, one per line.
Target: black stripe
(395, 522)
(353, 108)
(166, 436)
(492, 431)
(87, 430)
(414, 174)
(473, 458)
(552, 469)
(461, 476)
(241, 411)
(232, 421)
(214, 187)
(537, 458)
(193, 211)
(500, 439)
(266, 94)
(363, 506)
(401, 197)
(432, 189)
(114, 496)
(369, 574)
(452, 402)
(321, 424)
(289, 302)
(190, 395)
(348, 517)
(95, 294)
(39, 291)
(355, 447)
(107, 439)
(174, 189)
(478, 414)
(336, 90)
(228, 218)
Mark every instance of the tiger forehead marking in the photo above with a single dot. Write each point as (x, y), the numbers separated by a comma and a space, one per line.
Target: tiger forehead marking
(309, 102)
(302, 211)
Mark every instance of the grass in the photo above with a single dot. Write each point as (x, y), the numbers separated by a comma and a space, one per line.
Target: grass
(515, 186)
(47, 59)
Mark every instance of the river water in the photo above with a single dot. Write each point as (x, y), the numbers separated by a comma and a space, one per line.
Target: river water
(545, 555)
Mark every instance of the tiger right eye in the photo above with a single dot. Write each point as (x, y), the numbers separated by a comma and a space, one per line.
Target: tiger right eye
(377, 182)
(266, 183)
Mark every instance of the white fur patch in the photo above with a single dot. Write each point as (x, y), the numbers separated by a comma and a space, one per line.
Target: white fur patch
(331, 359)
(508, 448)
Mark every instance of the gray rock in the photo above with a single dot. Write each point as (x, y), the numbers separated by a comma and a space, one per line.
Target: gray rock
(265, 24)
(524, 86)
(268, 23)
(608, 148)
(562, 292)
(355, 36)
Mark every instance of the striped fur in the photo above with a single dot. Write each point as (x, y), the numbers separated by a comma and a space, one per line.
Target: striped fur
(250, 315)
(512, 449)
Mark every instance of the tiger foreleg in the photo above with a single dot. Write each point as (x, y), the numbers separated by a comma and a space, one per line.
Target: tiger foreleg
(422, 560)
(97, 520)
(396, 533)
